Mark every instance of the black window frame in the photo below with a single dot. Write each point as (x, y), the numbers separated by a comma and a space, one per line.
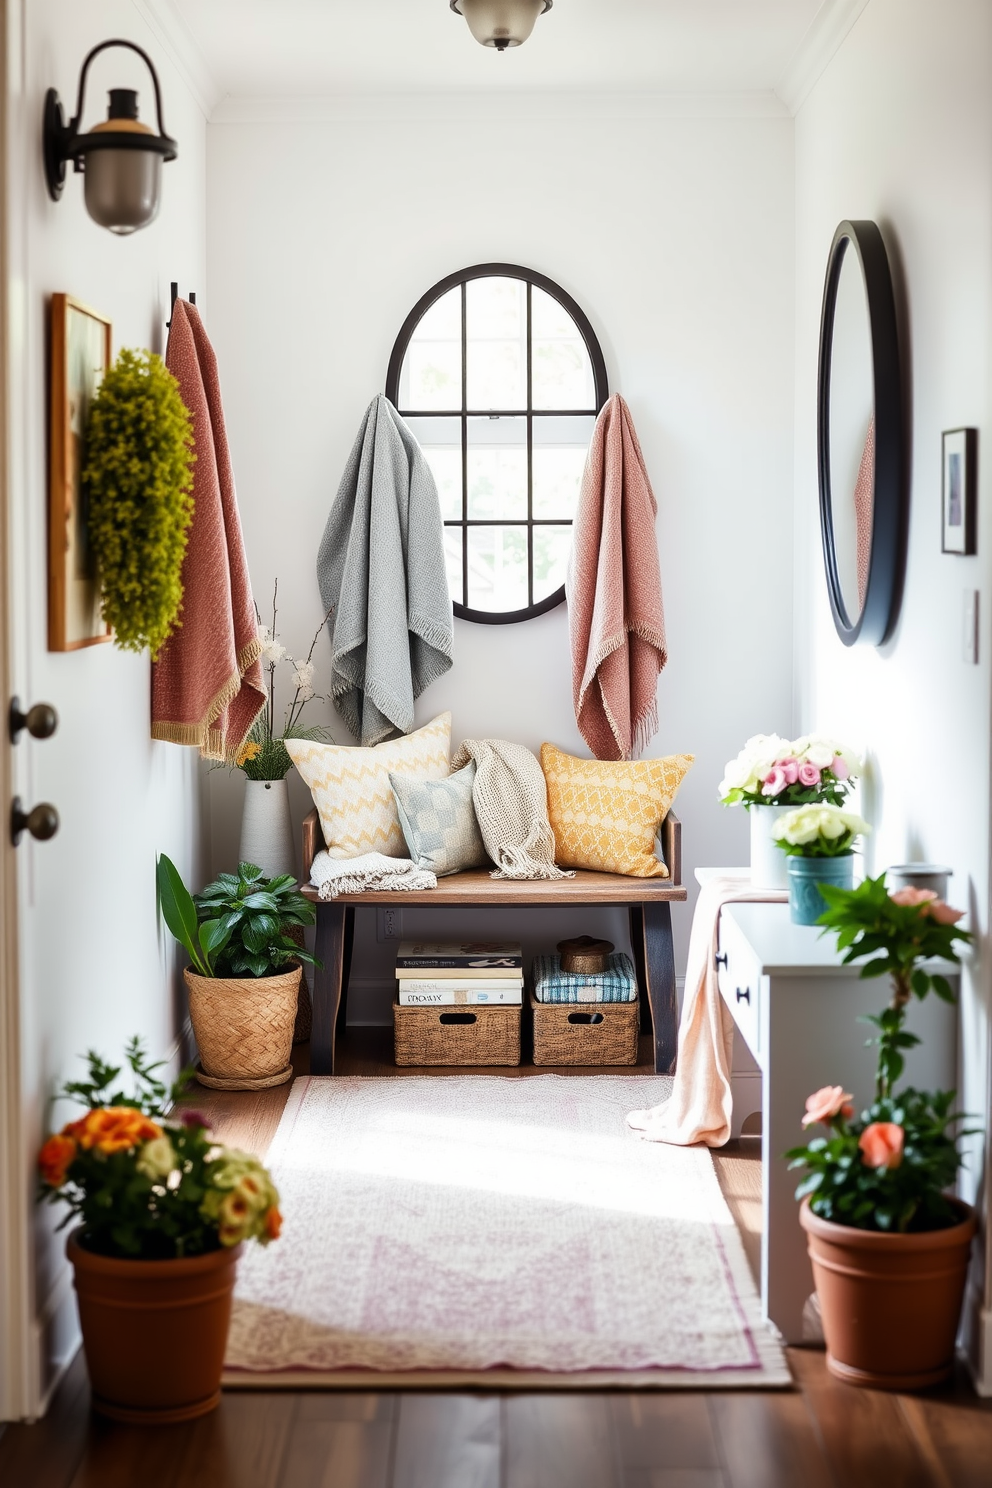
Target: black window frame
(602, 392)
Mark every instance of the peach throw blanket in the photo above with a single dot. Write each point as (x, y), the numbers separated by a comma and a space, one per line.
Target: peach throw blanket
(615, 615)
(701, 1105)
(207, 687)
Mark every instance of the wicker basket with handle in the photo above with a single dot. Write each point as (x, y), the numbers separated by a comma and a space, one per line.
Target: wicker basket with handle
(585, 1032)
(243, 1025)
(484, 1034)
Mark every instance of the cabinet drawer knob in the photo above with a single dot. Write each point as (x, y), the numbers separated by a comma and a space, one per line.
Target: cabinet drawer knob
(745, 995)
(720, 959)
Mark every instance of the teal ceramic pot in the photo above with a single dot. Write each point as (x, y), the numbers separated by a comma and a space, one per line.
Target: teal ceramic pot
(806, 903)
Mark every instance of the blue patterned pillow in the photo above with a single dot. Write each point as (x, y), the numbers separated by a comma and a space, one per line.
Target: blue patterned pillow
(438, 821)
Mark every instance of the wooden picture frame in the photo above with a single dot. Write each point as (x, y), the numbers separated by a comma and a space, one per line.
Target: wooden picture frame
(959, 492)
(80, 355)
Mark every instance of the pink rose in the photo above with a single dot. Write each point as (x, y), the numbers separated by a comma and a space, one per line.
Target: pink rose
(809, 775)
(881, 1144)
(943, 913)
(838, 769)
(822, 1105)
(775, 782)
(912, 897)
(790, 767)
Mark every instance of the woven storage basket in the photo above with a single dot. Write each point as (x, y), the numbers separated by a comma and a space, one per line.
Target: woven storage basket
(456, 1035)
(585, 1032)
(243, 1025)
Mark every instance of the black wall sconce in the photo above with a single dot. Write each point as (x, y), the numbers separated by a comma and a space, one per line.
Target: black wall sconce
(120, 159)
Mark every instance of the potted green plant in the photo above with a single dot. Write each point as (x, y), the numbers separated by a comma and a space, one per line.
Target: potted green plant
(266, 824)
(818, 841)
(244, 974)
(889, 1243)
(163, 1212)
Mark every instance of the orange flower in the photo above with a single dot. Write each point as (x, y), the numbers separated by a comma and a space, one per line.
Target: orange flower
(881, 1144)
(831, 1100)
(273, 1223)
(113, 1129)
(55, 1158)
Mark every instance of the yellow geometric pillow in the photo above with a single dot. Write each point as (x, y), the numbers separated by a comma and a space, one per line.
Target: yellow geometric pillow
(351, 790)
(606, 815)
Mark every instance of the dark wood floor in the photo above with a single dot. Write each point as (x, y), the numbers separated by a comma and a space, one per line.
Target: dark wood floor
(822, 1435)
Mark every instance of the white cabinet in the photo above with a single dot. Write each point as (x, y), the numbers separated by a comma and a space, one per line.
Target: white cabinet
(797, 1008)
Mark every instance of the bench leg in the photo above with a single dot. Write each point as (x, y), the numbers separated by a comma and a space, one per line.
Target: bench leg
(659, 977)
(328, 983)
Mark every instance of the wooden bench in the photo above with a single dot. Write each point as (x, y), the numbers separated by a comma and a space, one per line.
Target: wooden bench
(647, 900)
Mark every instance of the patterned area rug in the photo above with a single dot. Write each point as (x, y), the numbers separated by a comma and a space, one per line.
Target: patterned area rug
(492, 1230)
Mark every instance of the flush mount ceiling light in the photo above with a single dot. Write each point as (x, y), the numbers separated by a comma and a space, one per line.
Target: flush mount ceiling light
(501, 23)
(120, 159)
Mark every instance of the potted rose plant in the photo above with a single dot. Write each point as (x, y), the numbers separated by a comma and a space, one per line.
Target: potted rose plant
(772, 775)
(889, 1243)
(163, 1212)
(244, 978)
(818, 841)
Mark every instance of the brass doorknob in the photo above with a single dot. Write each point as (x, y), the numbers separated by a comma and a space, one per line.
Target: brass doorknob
(42, 821)
(41, 720)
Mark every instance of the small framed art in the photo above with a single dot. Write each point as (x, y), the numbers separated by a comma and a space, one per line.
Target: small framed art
(80, 348)
(959, 503)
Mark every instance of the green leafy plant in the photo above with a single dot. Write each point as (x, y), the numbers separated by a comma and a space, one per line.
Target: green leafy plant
(137, 483)
(241, 924)
(147, 1181)
(889, 1167)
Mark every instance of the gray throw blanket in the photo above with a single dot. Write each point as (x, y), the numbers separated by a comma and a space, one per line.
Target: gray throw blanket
(381, 566)
(511, 807)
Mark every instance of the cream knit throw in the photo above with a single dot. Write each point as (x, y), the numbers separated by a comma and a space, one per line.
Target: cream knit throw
(511, 806)
(369, 872)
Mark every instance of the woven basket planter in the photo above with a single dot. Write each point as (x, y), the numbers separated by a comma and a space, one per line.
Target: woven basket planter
(585, 1032)
(456, 1035)
(243, 1025)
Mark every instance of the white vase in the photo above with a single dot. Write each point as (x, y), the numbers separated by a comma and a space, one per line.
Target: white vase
(769, 864)
(267, 828)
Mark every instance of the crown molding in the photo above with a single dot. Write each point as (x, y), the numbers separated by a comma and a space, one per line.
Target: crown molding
(831, 25)
(499, 106)
(165, 21)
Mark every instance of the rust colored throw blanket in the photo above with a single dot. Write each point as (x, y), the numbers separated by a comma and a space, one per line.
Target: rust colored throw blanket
(207, 687)
(615, 614)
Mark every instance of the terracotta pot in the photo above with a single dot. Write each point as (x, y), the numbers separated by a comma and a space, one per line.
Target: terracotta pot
(244, 1025)
(154, 1332)
(890, 1303)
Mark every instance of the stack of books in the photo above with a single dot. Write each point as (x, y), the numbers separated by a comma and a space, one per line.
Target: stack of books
(450, 975)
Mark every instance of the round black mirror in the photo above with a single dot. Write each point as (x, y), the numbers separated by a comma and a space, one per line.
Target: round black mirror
(861, 450)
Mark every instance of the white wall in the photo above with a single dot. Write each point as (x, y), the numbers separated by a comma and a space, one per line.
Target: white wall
(673, 233)
(899, 129)
(94, 970)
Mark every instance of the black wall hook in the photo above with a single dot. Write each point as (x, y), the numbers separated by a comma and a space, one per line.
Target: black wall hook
(174, 295)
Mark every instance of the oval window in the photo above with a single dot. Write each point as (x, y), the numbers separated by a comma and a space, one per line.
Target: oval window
(500, 376)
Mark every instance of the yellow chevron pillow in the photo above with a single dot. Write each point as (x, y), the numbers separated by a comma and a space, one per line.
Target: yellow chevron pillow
(606, 815)
(351, 790)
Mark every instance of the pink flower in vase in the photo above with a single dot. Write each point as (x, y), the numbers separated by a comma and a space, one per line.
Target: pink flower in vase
(881, 1144)
(809, 775)
(838, 769)
(775, 782)
(790, 766)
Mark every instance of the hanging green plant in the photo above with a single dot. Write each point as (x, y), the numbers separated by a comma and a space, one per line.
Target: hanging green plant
(137, 479)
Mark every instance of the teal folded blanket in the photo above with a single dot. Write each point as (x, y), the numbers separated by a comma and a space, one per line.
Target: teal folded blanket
(617, 983)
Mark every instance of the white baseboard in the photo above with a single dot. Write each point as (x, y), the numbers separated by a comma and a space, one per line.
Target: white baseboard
(55, 1338)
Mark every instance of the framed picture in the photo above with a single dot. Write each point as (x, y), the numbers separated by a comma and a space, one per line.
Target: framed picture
(80, 347)
(959, 505)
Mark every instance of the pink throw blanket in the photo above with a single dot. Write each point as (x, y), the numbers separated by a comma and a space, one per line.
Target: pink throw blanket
(615, 613)
(700, 1106)
(207, 687)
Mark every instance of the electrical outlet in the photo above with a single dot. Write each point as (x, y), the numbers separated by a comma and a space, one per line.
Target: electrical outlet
(389, 924)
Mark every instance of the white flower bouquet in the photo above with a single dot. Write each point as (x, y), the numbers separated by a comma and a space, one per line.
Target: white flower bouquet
(819, 830)
(772, 771)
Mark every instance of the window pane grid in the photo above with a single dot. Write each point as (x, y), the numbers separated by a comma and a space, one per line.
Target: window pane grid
(518, 569)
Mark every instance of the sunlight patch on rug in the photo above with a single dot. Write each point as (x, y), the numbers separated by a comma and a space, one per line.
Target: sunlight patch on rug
(479, 1222)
